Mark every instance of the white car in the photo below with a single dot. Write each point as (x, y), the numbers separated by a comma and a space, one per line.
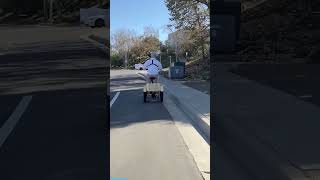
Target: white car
(94, 17)
(139, 66)
(97, 21)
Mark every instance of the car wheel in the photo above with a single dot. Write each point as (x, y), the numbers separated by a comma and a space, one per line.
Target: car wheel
(99, 23)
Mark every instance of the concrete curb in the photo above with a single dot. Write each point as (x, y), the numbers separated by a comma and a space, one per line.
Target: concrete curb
(198, 119)
(95, 43)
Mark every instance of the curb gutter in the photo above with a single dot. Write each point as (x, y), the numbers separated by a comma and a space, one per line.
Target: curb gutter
(197, 118)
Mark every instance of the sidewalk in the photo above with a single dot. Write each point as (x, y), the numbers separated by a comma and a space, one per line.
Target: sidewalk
(273, 134)
(192, 102)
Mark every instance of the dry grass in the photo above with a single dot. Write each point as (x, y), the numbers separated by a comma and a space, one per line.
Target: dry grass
(198, 70)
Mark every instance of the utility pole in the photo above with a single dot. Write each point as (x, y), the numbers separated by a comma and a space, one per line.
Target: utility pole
(186, 55)
(126, 60)
(176, 52)
(45, 14)
(158, 34)
(51, 11)
(176, 44)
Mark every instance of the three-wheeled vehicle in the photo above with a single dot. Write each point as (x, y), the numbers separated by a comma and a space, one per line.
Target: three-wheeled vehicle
(153, 90)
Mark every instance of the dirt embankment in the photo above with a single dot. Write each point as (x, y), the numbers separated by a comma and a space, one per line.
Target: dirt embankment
(198, 70)
(280, 31)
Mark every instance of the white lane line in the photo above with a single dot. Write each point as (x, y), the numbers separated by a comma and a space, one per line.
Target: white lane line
(306, 96)
(9, 125)
(114, 99)
(125, 89)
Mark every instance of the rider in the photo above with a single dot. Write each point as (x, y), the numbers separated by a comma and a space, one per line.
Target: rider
(153, 66)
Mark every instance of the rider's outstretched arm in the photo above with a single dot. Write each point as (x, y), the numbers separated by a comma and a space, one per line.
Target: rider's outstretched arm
(145, 65)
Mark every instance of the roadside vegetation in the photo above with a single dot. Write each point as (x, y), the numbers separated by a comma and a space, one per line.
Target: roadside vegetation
(189, 41)
(282, 31)
(127, 48)
(37, 11)
(191, 21)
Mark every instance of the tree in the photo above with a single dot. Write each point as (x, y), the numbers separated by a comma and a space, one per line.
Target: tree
(116, 60)
(150, 31)
(100, 3)
(193, 16)
(122, 41)
(134, 49)
(189, 14)
(143, 45)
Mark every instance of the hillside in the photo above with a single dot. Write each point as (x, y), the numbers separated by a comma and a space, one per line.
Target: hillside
(280, 30)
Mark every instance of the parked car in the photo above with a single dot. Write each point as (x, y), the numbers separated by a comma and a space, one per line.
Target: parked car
(97, 21)
(94, 16)
(139, 66)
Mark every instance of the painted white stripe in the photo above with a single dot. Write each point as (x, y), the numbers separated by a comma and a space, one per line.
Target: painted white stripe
(114, 99)
(124, 89)
(9, 125)
(306, 96)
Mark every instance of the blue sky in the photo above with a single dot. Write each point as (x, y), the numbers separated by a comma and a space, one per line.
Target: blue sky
(136, 14)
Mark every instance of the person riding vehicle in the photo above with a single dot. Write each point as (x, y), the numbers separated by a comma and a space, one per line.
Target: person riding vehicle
(153, 67)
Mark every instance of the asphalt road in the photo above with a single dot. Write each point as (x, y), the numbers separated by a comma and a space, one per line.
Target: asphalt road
(57, 83)
(144, 142)
(62, 132)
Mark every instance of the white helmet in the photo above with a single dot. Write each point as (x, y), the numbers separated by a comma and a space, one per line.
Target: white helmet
(153, 55)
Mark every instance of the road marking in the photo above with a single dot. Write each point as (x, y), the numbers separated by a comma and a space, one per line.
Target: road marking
(114, 99)
(9, 125)
(306, 96)
(125, 89)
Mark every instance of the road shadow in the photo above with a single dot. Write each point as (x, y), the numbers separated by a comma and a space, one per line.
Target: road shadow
(129, 109)
(54, 129)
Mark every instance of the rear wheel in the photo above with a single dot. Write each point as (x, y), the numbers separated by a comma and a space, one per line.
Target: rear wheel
(144, 97)
(161, 96)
